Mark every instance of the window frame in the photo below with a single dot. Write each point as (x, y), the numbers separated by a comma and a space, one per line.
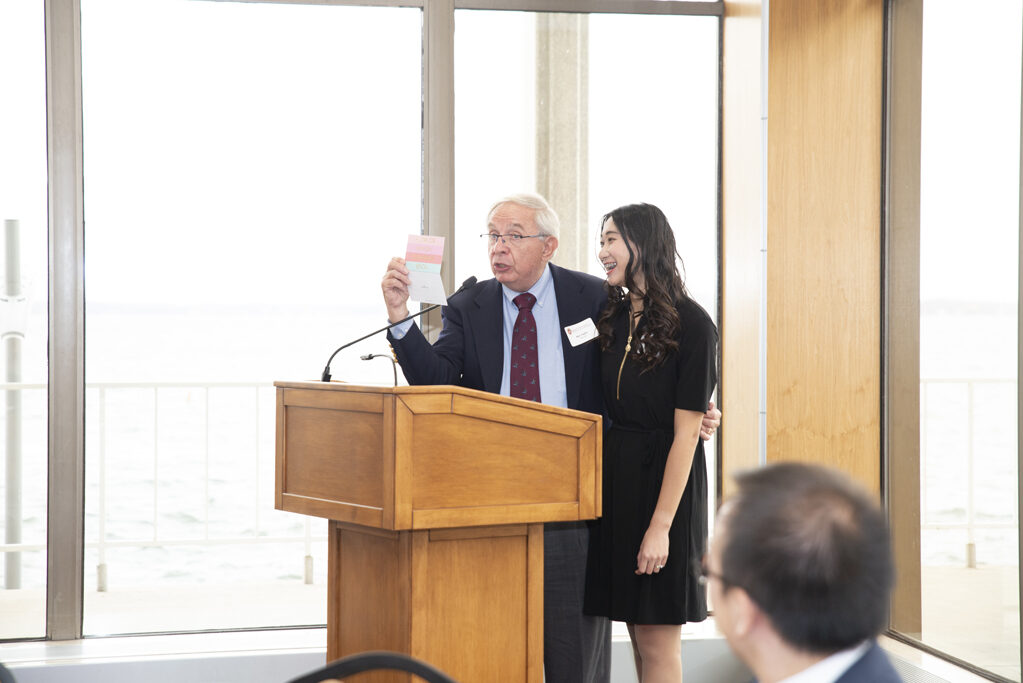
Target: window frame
(66, 279)
(900, 332)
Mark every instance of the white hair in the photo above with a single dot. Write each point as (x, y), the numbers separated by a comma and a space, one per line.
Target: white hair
(546, 219)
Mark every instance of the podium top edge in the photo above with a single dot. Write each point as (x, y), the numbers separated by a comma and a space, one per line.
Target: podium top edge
(313, 385)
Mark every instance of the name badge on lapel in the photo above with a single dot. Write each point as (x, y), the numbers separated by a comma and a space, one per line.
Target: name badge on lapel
(581, 332)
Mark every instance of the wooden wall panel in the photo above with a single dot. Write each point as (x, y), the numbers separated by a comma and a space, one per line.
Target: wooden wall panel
(741, 243)
(825, 91)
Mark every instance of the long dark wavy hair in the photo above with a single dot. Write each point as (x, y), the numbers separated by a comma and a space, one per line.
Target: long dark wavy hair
(645, 227)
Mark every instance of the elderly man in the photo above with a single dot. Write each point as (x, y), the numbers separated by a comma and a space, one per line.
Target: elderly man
(800, 571)
(527, 295)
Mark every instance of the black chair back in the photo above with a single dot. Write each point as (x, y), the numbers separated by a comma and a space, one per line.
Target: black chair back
(371, 661)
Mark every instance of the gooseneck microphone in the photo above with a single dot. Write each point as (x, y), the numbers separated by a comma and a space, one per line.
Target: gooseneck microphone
(325, 377)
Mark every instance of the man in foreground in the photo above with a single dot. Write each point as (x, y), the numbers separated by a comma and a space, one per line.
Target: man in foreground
(800, 572)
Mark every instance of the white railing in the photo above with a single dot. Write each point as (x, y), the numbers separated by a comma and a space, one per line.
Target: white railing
(969, 525)
(101, 543)
(99, 540)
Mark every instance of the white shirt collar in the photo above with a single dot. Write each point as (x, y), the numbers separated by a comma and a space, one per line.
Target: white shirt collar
(539, 289)
(831, 668)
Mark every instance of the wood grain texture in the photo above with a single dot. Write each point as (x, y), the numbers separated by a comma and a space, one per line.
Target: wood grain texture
(335, 400)
(492, 515)
(279, 470)
(478, 532)
(334, 579)
(465, 592)
(534, 603)
(477, 607)
(403, 457)
(334, 455)
(419, 592)
(370, 574)
(590, 486)
(430, 403)
(519, 413)
(332, 509)
(439, 457)
(389, 463)
(823, 234)
(461, 461)
(741, 239)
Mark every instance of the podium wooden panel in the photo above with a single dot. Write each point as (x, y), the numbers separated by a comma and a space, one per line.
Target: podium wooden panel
(437, 497)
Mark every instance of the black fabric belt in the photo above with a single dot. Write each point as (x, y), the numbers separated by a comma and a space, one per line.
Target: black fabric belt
(641, 430)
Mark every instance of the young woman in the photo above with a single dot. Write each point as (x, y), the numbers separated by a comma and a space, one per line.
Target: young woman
(658, 365)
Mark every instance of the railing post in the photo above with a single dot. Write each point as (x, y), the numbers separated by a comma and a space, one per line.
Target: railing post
(12, 339)
(308, 552)
(101, 565)
(971, 544)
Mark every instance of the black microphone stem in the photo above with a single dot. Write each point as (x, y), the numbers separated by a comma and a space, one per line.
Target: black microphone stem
(325, 377)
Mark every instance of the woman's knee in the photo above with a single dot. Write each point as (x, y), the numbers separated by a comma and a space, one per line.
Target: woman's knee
(658, 642)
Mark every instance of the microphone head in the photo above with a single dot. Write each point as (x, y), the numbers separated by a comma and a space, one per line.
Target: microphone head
(469, 282)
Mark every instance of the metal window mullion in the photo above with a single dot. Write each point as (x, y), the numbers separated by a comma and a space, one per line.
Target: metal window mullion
(66, 428)
(599, 6)
(439, 136)
(156, 463)
(206, 463)
(678, 7)
(336, 3)
(1019, 364)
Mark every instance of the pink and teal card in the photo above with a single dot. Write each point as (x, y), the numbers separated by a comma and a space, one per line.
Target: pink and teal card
(423, 257)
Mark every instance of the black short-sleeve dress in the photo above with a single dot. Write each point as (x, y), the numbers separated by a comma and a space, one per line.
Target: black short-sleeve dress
(642, 413)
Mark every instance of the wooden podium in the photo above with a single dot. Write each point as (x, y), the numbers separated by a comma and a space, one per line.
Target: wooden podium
(437, 497)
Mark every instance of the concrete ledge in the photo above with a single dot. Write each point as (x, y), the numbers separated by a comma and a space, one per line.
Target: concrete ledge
(223, 657)
(276, 656)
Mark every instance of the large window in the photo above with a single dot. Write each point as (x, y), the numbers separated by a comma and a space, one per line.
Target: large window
(238, 177)
(242, 196)
(23, 311)
(953, 340)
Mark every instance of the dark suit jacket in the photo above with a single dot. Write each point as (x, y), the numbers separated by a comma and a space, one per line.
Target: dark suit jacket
(872, 667)
(470, 349)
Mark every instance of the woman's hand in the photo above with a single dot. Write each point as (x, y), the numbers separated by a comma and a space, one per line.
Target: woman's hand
(653, 551)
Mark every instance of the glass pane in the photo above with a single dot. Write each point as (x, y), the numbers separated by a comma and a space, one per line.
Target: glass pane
(23, 320)
(653, 135)
(969, 274)
(639, 93)
(248, 167)
(654, 132)
(495, 123)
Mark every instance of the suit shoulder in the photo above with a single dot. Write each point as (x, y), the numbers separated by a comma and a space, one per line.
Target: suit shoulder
(590, 284)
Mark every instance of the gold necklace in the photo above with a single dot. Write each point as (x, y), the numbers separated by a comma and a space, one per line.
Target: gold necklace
(628, 347)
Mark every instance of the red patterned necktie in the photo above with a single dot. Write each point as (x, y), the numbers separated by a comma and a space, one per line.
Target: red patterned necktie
(525, 365)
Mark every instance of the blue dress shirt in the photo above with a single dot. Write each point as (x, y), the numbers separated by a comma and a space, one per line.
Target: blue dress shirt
(548, 336)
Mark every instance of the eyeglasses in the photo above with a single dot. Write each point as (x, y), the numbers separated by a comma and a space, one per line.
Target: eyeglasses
(706, 574)
(514, 240)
